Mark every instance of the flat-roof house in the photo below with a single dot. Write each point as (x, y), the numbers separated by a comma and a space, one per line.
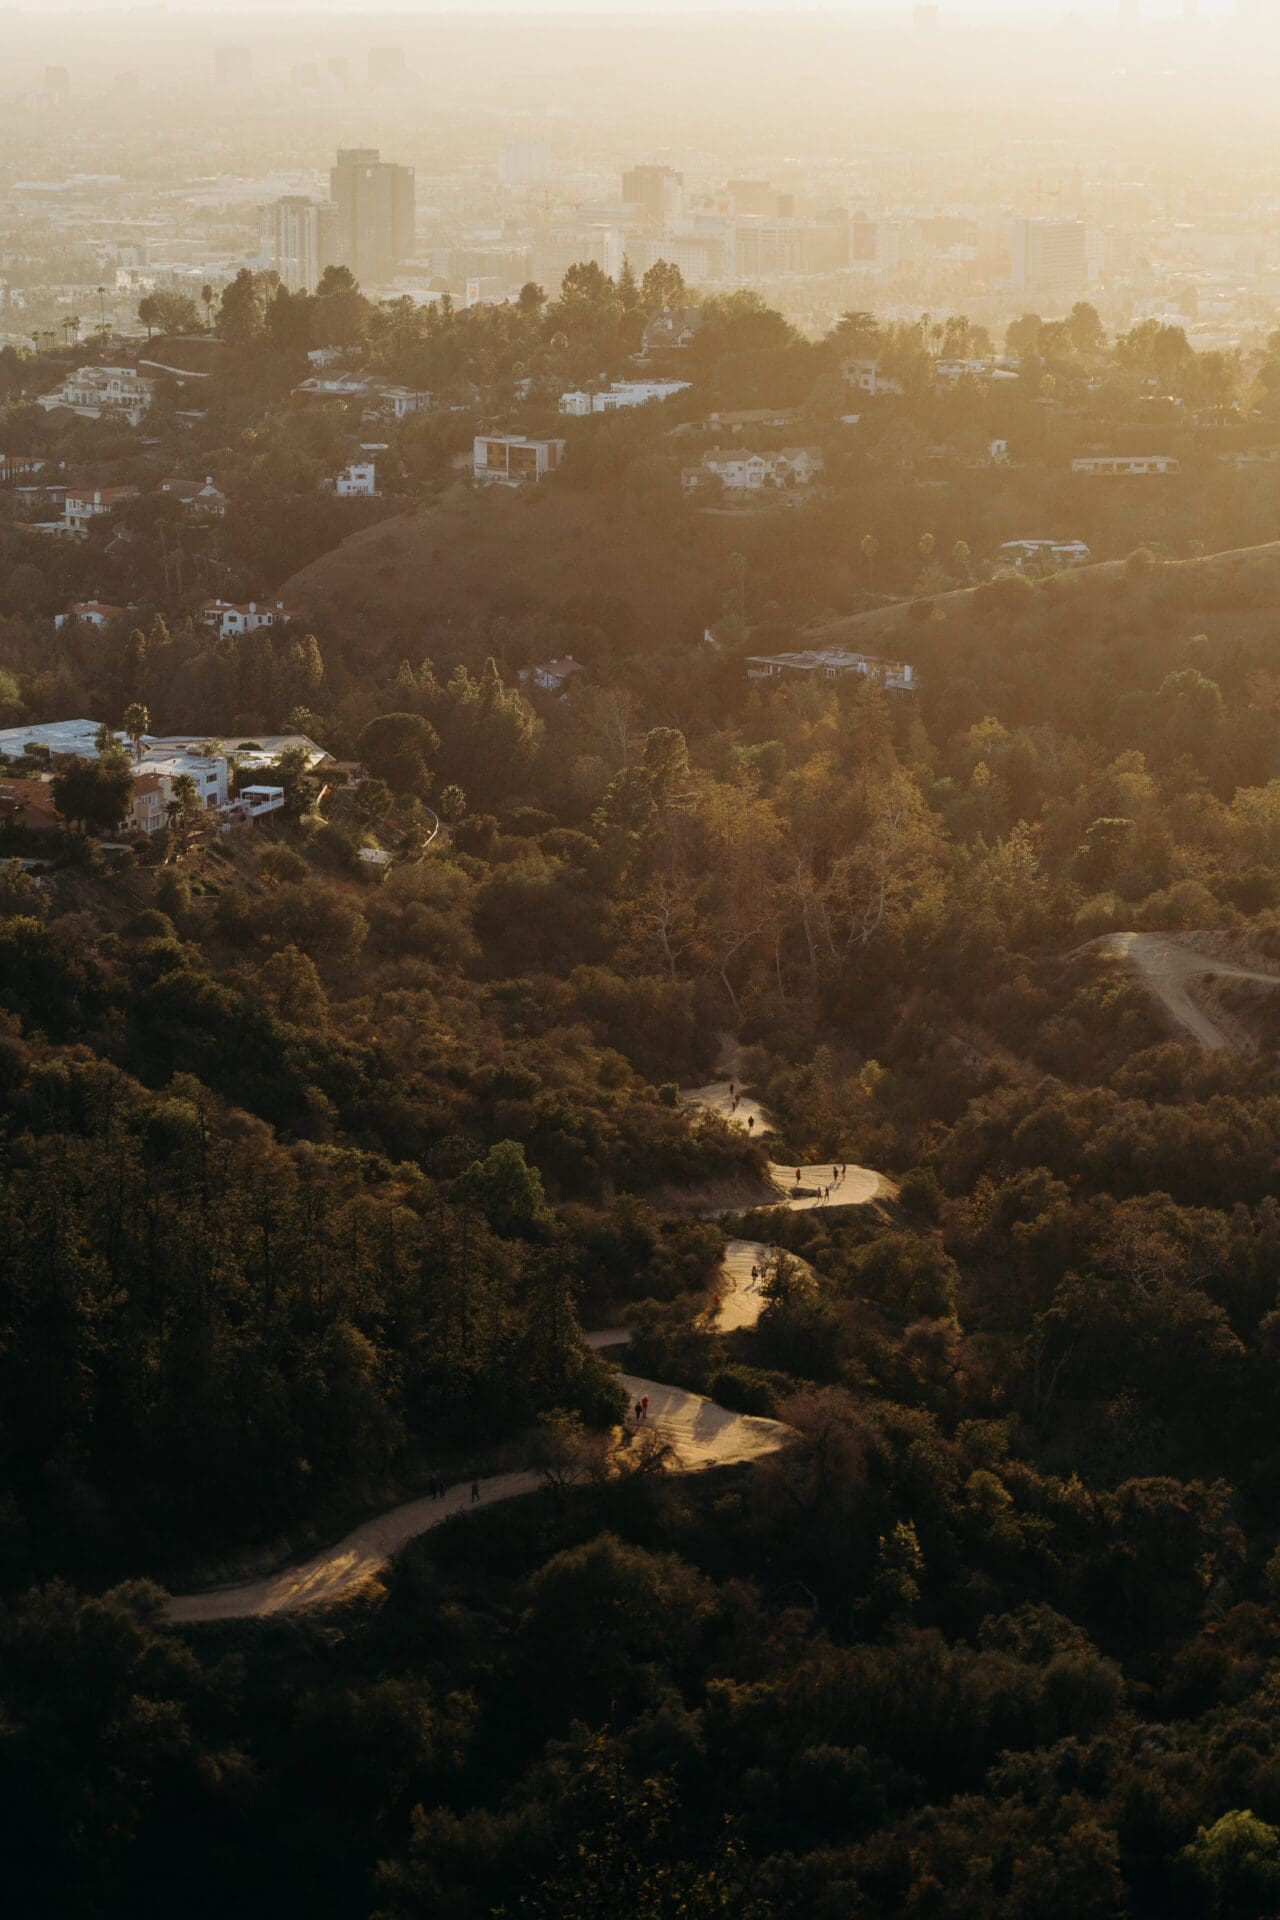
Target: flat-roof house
(513, 458)
(831, 663)
(1108, 464)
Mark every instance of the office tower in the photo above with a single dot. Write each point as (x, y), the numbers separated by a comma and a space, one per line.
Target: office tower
(925, 19)
(386, 66)
(55, 86)
(1049, 256)
(338, 72)
(524, 163)
(233, 67)
(375, 206)
(658, 193)
(299, 238)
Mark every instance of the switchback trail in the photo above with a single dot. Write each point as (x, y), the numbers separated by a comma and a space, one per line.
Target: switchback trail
(702, 1433)
(1167, 966)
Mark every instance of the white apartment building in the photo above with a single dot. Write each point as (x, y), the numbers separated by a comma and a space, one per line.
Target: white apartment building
(92, 392)
(298, 236)
(512, 458)
(1049, 256)
(1126, 463)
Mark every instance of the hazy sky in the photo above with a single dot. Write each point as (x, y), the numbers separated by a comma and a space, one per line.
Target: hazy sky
(1030, 10)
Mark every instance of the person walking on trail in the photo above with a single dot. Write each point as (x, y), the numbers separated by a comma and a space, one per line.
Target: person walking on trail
(835, 1175)
(475, 1491)
(644, 1402)
(639, 1411)
(797, 1176)
(751, 1121)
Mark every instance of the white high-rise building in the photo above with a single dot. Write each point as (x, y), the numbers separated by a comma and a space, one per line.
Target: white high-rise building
(299, 238)
(524, 163)
(1049, 256)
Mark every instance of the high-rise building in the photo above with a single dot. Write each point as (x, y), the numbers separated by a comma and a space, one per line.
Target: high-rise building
(386, 66)
(1049, 256)
(55, 86)
(299, 238)
(375, 207)
(657, 192)
(233, 66)
(338, 72)
(524, 163)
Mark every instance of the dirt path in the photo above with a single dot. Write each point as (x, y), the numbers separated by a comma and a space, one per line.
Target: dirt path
(703, 1434)
(823, 1186)
(1169, 966)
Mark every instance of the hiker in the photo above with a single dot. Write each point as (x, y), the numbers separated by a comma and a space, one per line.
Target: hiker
(475, 1491)
(639, 1411)
(644, 1402)
(751, 1121)
(731, 1092)
(835, 1175)
(797, 1176)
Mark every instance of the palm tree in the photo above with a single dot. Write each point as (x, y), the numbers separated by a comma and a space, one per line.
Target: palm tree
(870, 553)
(137, 721)
(183, 802)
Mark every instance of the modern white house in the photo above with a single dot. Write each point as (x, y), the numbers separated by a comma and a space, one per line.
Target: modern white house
(92, 392)
(620, 394)
(831, 663)
(358, 480)
(1056, 553)
(1125, 463)
(512, 458)
(230, 618)
(866, 376)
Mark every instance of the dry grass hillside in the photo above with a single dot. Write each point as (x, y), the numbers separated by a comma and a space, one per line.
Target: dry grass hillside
(472, 555)
(1239, 587)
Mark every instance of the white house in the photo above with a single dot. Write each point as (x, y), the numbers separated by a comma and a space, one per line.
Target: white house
(512, 457)
(866, 376)
(202, 500)
(621, 393)
(1057, 553)
(229, 618)
(1125, 463)
(399, 402)
(92, 392)
(742, 472)
(252, 802)
(358, 480)
(82, 505)
(90, 613)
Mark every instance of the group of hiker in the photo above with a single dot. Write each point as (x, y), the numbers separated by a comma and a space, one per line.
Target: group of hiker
(436, 1489)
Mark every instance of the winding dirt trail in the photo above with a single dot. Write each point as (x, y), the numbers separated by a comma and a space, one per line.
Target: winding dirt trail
(1168, 966)
(702, 1433)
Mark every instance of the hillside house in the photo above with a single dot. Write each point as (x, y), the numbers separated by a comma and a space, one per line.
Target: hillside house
(831, 663)
(550, 676)
(200, 498)
(1109, 465)
(97, 392)
(513, 458)
(358, 480)
(228, 617)
(672, 327)
(81, 506)
(90, 613)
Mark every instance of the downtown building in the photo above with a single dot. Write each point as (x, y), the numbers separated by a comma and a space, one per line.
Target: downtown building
(375, 204)
(298, 236)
